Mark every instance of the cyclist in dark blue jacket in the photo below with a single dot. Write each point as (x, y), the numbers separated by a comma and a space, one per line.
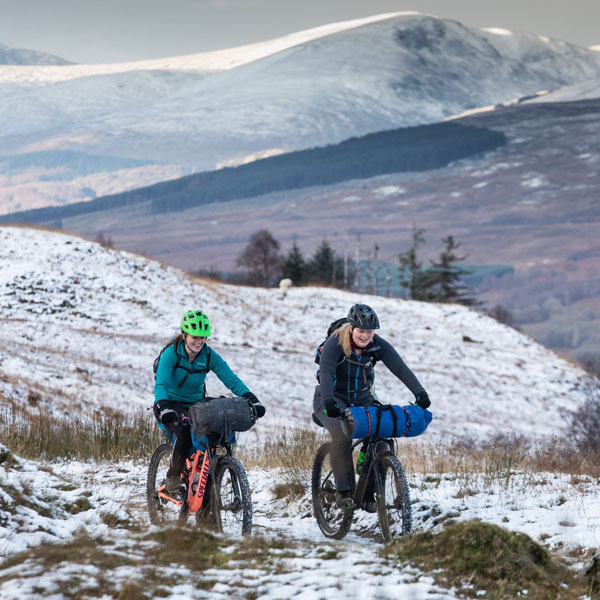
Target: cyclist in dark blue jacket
(346, 374)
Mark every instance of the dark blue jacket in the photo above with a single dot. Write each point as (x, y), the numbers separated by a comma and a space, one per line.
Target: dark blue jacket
(350, 377)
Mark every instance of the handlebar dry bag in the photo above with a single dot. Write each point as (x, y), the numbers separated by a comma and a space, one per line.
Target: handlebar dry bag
(221, 416)
(387, 421)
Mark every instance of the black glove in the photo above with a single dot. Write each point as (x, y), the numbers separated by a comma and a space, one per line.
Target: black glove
(332, 409)
(164, 413)
(258, 407)
(422, 400)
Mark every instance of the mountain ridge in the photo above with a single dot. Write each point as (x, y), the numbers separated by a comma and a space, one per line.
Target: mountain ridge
(400, 71)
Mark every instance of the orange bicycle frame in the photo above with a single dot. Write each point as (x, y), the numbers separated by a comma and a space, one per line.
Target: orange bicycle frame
(194, 499)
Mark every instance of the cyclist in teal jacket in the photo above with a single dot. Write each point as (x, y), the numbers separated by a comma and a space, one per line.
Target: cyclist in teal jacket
(180, 383)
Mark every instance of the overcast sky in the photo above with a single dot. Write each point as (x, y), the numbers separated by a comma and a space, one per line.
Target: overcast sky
(121, 30)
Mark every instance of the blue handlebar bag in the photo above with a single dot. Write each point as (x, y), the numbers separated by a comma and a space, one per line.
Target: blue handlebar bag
(387, 421)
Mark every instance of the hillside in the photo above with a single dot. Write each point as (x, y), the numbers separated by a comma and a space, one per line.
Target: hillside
(530, 205)
(94, 319)
(413, 149)
(310, 89)
(80, 327)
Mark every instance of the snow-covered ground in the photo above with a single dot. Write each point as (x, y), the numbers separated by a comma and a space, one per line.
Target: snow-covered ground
(81, 325)
(96, 318)
(102, 505)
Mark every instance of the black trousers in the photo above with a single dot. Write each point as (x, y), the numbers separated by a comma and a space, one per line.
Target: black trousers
(341, 447)
(181, 449)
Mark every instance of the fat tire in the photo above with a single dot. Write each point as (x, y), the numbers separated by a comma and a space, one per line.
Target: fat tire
(323, 499)
(393, 497)
(243, 500)
(155, 507)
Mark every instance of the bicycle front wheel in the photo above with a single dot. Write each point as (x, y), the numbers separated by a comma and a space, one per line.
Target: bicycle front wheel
(333, 521)
(231, 501)
(393, 498)
(160, 510)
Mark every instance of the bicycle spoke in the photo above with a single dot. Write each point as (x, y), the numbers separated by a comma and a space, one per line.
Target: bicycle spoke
(393, 499)
(161, 510)
(333, 521)
(231, 498)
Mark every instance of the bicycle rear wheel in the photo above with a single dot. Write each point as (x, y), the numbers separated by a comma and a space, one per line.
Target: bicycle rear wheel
(393, 498)
(333, 521)
(230, 500)
(161, 511)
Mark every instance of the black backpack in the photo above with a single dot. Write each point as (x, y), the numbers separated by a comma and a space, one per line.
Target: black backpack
(177, 363)
(332, 327)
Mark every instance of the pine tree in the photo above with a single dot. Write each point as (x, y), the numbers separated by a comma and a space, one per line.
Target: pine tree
(325, 267)
(416, 279)
(448, 276)
(294, 266)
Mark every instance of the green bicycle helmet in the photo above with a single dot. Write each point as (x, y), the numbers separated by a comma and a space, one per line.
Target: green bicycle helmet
(196, 323)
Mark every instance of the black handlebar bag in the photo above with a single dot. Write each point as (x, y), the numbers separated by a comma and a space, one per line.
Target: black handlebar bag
(219, 418)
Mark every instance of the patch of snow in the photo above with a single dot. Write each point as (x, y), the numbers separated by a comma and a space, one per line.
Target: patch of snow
(535, 181)
(499, 31)
(390, 190)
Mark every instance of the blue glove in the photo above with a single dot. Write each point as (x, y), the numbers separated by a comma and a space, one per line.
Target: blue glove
(332, 409)
(422, 400)
(258, 407)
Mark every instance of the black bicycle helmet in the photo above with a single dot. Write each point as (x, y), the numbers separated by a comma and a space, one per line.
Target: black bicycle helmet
(363, 317)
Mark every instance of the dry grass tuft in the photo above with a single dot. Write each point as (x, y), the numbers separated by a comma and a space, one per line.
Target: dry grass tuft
(499, 457)
(29, 431)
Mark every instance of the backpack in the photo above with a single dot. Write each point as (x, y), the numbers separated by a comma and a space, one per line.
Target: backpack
(178, 365)
(335, 325)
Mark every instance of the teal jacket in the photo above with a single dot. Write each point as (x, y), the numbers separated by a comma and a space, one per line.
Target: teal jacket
(169, 386)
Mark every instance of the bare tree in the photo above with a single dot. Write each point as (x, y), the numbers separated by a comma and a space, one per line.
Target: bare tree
(585, 422)
(261, 258)
(106, 242)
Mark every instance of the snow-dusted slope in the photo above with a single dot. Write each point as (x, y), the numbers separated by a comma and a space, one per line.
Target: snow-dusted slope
(311, 88)
(586, 90)
(205, 62)
(81, 326)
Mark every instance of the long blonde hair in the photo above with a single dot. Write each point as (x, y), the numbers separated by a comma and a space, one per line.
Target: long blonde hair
(343, 335)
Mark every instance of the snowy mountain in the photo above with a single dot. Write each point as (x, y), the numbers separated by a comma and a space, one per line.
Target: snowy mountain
(21, 56)
(82, 325)
(311, 88)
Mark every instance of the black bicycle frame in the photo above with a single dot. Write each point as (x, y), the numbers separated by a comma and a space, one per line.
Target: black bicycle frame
(368, 465)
